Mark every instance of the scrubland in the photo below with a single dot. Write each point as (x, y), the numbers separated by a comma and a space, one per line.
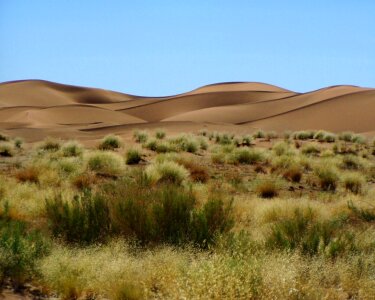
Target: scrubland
(203, 215)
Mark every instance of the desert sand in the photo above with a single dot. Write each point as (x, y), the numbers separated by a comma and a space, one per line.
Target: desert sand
(34, 109)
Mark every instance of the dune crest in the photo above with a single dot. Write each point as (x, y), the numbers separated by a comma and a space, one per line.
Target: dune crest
(30, 106)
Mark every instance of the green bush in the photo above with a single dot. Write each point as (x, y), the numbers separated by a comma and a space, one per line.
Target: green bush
(354, 182)
(72, 148)
(224, 138)
(50, 144)
(351, 162)
(346, 136)
(166, 172)
(84, 220)
(19, 251)
(105, 163)
(282, 148)
(246, 156)
(367, 215)
(133, 156)
(259, 134)
(110, 142)
(140, 136)
(328, 177)
(160, 134)
(271, 135)
(302, 232)
(3, 137)
(311, 149)
(18, 142)
(6, 149)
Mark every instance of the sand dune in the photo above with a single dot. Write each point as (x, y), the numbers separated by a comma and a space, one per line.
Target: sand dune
(36, 108)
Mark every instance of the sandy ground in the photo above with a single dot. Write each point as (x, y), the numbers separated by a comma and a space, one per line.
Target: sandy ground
(34, 109)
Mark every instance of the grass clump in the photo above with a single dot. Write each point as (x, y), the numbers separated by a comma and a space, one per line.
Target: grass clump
(259, 134)
(301, 231)
(166, 172)
(110, 142)
(133, 156)
(50, 144)
(311, 149)
(4, 137)
(351, 162)
(160, 134)
(105, 163)
(246, 156)
(6, 149)
(18, 142)
(328, 177)
(140, 136)
(346, 136)
(198, 173)
(293, 173)
(28, 174)
(367, 215)
(354, 182)
(72, 149)
(267, 188)
(282, 148)
(303, 135)
(84, 220)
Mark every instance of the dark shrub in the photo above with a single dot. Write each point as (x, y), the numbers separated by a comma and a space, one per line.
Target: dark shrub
(133, 156)
(110, 142)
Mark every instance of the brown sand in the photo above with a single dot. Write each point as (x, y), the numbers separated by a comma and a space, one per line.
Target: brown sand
(34, 109)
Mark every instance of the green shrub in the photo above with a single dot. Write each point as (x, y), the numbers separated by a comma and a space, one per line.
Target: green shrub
(303, 135)
(19, 251)
(218, 158)
(3, 137)
(160, 134)
(203, 143)
(140, 136)
(354, 183)
(267, 188)
(18, 142)
(50, 144)
(328, 177)
(166, 172)
(346, 136)
(72, 148)
(282, 148)
(133, 156)
(359, 139)
(105, 163)
(110, 142)
(287, 134)
(271, 135)
(246, 156)
(351, 162)
(84, 220)
(367, 215)
(259, 134)
(302, 232)
(310, 149)
(152, 144)
(324, 136)
(6, 149)
(224, 138)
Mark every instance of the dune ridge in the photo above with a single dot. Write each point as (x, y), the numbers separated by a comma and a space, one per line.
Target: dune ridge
(36, 108)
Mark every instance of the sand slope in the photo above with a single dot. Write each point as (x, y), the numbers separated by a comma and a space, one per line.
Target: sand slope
(35, 108)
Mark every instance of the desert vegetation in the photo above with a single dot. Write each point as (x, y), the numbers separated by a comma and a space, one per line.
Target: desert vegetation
(200, 215)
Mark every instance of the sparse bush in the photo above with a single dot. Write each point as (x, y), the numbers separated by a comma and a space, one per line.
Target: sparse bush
(282, 148)
(367, 215)
(267, 188)
(50, 144)
(105, 163)
(311, 149)
(160, 134)
(324, 136)
(6, 149)
(271, 135)
(166, 172)
(259, 134)
(72, 148)
(218, 158)
(84, 180)
(140, 136)
(110, 142)
(84, 220)
(133, 156)
(246, 156)
(203, 143)
(223, 139)
(303, 135)
(18, 142)
(346, 136)
(328, 177)
(293, 173)
(3, 137)
(359, 139)
(28, 174)
(302, 232)
(354, 182)
(287, 134)
(351, 162)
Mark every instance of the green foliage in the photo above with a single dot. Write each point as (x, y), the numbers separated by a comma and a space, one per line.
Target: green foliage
(133, 156)
(18, 142)
(6, 149)
(160, 134)
(328, 177)
(303, 135)
(367, 215)
(166, 172)
(4, 137)
(351, 162)
(246, 156)
(72, 148)
(224, 138)
(110, 142)
(83, 220)
(311, 149)
(271, 135)
(282, 148)
(354, 182)
(311, 237)
(259, 134)
(50, 144)
(140, 136)
(105, 163)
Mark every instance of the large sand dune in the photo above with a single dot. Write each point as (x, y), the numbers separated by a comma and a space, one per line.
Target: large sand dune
(34, 109)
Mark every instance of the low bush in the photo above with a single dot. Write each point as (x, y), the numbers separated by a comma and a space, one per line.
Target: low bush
(354, 182)
(4, 137)
(140, 136)
(259, 134)
(246, 156)
(6, 149)
(293, 173)
(18, 142)
(84, 220)
(110, 142)
(302, 232)
(84, 180)
(303, 135)
(310, 149)
(72, 148)
(359, 139)
(351, 162)
(28, 174)
(160, 134)
(166, 172)
(50, 144)
(198, 173)
(105, 163)
(328, 177)
(271, 135)
(267, 188)
(224, 138)
(365, 214)
(282, 148)
(346, 136)
(133, 156)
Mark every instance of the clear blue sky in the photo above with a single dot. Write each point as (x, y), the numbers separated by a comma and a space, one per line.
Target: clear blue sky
(166, 47)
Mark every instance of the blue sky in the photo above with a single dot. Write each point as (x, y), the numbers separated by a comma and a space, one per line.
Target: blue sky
(167, 47)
